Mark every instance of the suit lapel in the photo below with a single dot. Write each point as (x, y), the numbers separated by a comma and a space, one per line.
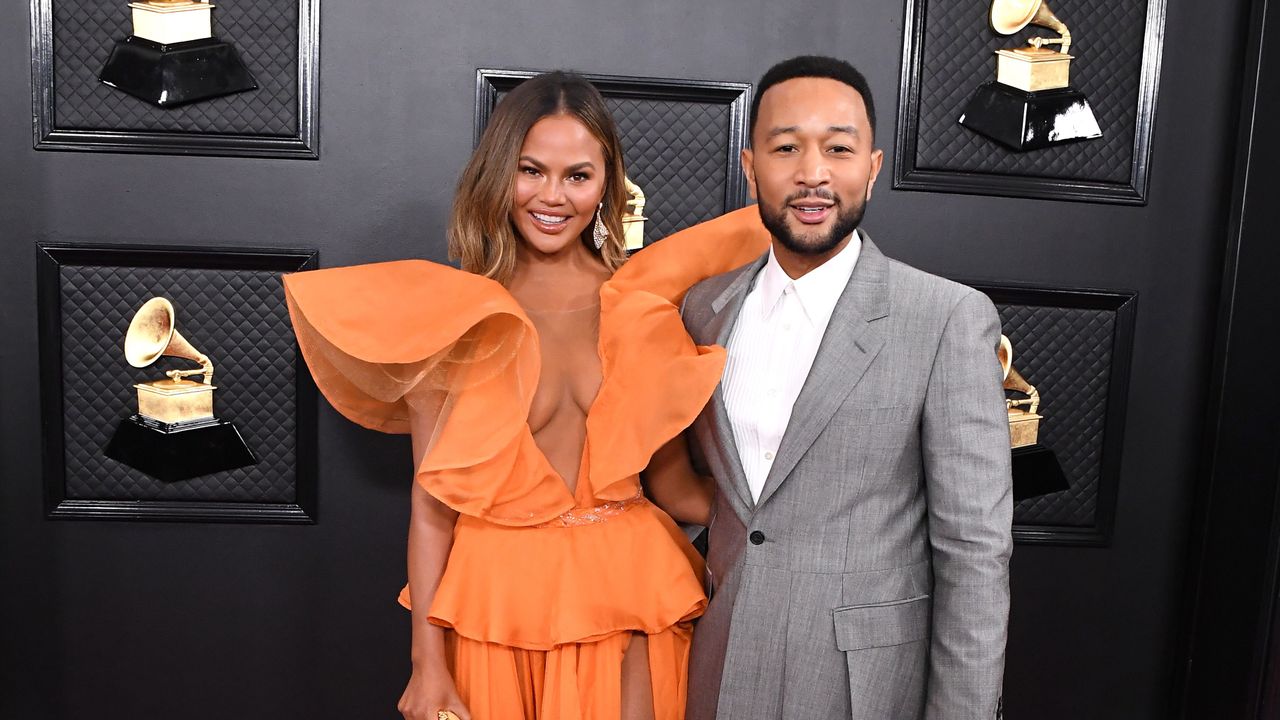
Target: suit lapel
(852, 340)
(726, 307)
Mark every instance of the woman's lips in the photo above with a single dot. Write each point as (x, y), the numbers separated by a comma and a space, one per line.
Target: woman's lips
(549, 223)
(811, 214)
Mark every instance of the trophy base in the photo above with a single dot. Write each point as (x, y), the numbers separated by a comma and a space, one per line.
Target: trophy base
(1026, 121)
(176, 74)
(179, 451)
(1036, 472)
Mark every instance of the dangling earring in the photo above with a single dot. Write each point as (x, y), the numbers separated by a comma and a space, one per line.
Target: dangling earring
(599, 233)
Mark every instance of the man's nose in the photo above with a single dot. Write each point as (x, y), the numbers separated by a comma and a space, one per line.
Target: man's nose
(814, 171)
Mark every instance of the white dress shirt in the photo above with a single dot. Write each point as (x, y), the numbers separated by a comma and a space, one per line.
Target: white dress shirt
(771, 350)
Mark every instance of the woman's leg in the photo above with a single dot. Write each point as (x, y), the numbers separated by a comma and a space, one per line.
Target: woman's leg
(637, 684)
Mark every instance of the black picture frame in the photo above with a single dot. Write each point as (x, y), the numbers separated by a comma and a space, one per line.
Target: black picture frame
(491, 82)
(51, 259)
(302, 145)
(1122, 304)
(907, 176)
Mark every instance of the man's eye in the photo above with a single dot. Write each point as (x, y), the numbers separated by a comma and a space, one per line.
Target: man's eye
(841, 149)
(785, 148)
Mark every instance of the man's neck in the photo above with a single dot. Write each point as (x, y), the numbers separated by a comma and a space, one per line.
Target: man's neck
(797, 265)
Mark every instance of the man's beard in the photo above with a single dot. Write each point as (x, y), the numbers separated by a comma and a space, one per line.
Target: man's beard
(847, 220)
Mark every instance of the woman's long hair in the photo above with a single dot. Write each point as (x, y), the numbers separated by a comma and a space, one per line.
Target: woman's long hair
(481, 235)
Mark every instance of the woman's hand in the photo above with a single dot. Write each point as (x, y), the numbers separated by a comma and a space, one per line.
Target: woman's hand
(431, 523)
(429, 691)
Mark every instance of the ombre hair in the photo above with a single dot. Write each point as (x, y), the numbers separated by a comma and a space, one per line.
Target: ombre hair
(481, 235)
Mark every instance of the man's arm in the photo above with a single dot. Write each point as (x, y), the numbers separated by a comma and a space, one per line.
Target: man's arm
(965, 448)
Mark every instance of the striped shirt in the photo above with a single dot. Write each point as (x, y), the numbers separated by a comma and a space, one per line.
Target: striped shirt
(771, 349)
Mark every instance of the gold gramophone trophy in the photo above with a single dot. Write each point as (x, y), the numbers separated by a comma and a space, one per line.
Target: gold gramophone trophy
(1024, 421)
(1036, 470)
(633, 219)
(172, 57)
(175, 434)
(1031, 104)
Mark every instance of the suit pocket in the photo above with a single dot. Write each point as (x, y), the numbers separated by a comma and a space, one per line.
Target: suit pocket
(859, 627)
(886, 649)
(880, 415)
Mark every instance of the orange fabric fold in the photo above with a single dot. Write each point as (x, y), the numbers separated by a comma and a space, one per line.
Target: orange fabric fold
(669, 267)
(570, 681)
(656, 379)
(656, 382)
(539, 588)
(456, 347)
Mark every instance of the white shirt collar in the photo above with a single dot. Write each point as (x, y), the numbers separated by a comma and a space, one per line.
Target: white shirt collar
(817, 290)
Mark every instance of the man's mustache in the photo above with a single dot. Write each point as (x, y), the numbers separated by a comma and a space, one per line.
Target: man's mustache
(818, 193)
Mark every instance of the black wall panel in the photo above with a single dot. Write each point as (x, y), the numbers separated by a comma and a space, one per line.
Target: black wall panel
(149, 620)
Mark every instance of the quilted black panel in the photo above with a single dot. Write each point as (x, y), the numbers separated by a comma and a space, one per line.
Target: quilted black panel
(677, 151)
(958, 56)
(264, 32)
(1066, 353)
(237, 318)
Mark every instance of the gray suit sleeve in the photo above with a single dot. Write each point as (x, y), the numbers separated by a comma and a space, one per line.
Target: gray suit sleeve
(965, 446)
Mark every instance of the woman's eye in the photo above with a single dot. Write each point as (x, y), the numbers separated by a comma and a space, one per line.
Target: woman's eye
(579, 177)
(529, 170)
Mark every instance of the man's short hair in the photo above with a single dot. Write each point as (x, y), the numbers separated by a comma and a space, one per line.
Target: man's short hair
(816, 66)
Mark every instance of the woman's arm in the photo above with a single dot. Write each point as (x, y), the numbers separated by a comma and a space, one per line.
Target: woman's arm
(431, 688)
(673, 485)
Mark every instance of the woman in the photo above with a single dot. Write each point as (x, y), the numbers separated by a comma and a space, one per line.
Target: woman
(536, 385)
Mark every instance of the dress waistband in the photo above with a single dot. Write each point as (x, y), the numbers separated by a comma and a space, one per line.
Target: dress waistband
(595, 514)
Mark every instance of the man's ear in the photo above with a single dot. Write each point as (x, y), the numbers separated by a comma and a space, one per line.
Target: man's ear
(749, 170)
(877, 160)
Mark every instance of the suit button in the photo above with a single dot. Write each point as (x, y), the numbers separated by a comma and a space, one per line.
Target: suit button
(756, 537)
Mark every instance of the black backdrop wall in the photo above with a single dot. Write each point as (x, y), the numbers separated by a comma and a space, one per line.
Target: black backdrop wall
(150, 620)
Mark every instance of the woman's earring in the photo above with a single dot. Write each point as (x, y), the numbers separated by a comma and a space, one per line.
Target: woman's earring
(599, 233)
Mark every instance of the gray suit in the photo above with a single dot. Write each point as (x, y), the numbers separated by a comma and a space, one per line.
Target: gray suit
(870, 580)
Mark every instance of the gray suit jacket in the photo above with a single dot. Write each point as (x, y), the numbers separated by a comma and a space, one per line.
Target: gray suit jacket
(870, 580)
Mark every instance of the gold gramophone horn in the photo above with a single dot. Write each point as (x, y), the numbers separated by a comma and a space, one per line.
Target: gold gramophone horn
(1010, 16)
(1005, 353)
(1013, 379)
(153, 334)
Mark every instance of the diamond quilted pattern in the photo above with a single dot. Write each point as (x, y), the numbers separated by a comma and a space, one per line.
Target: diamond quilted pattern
(237, 318)
(264, 32)
(958, 55)
(678, 152)
(1066, 354)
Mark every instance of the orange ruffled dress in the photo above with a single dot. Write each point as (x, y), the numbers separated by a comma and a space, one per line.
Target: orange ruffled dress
(543, 587)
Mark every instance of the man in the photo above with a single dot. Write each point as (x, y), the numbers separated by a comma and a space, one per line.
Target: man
(859, 544)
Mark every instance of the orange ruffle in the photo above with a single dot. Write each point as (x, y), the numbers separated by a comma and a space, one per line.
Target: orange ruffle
(536, 588)
(385, 337)
(656, 379)
(570, 682)
(669, 267)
